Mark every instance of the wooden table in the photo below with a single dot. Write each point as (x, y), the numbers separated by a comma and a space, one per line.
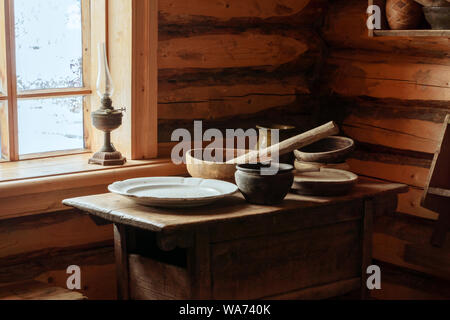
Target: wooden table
(305, 248)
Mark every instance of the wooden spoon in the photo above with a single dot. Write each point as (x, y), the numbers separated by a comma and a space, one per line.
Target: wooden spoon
(290, 144)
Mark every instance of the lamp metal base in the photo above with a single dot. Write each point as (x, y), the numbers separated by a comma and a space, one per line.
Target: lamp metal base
(108, 159)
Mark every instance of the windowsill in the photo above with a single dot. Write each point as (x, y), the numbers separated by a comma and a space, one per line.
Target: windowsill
(57, 166)
(38, 186)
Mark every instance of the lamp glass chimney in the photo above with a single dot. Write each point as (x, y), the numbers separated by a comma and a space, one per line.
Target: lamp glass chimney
(105, 86)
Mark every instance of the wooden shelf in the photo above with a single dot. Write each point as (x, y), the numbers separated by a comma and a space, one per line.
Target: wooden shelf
(411, 33)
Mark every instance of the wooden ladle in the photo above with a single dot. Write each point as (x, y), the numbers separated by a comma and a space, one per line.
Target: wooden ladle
(290, 144)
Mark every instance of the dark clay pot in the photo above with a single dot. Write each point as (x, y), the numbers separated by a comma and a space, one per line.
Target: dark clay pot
(264, 189)
(438, 17)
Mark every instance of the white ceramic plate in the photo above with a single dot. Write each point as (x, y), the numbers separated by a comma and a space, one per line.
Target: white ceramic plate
(173, 191)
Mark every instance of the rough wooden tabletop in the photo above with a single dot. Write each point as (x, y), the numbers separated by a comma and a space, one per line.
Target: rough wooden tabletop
(118, 209)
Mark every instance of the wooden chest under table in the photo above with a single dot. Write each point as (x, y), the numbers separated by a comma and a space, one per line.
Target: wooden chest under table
(304, 248)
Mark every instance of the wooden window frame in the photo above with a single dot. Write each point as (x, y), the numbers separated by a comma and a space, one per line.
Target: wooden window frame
(11, 150)
(38, 186)
(137, 139)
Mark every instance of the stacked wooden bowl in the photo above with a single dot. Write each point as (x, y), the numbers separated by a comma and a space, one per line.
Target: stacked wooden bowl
(322, 168)
(331, 152)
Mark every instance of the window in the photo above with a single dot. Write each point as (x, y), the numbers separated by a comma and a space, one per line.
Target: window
(44, 77)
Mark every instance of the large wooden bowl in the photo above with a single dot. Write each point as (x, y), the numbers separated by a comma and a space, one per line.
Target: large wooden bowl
(333, 149)
(215, 169)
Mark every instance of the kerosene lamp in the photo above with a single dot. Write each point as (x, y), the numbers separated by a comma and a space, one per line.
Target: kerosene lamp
(106, 119)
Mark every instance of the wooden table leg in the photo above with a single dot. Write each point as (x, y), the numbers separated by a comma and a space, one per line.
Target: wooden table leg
(121, 255)
(367, 229)
(199, 267)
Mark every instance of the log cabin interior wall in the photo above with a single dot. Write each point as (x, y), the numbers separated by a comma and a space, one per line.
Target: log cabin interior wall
(235, 64)
(391, 94)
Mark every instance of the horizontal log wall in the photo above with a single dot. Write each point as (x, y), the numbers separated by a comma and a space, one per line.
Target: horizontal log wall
(42, 247)
(233, 63)
(390, 94)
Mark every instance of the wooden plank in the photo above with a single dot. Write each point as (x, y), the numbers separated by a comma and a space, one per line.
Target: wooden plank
(173, 9)
(88, 81)
(50, 266)
(399, 132)
(30, 94)
(437, 190)
(389, 76)
(3, 74)
(238, 16)
(98, 282)
(133, 68)
(4, 133)
(144, 122)
(439, 171)
(34, 290)
(54, 166)
(442, 226)
(11, 77)
(402, 173)
(56, 230)
(121, 49)
(229, 51)
(366, 234)
(326, 291)
(390, 249)
(428, 256)
(51, 154)
(199, 266)
(410, 203)
(28, 197)
(153, 280)
(213, 102)
(412, 33)
(393, 234)
(125, 211)
(298, 113)
(391, 123)
(122, 263)
(258, 267)
(288, 222)
(401, 284)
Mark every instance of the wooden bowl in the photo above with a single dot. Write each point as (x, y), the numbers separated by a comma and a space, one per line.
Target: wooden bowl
(438, 17)
(333, 149)
(403, 14)
(301, 166)
(215, 168)
(326, 182)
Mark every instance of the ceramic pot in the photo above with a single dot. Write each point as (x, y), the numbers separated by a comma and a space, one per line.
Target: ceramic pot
(258, 188)
(403, 14)
(438, 17)
(434, 3)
